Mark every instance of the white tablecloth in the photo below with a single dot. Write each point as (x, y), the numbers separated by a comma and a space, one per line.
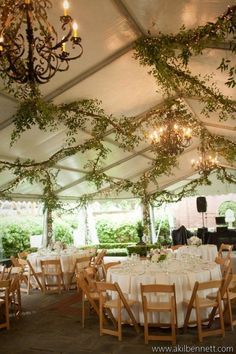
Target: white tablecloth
(206, 252)
(183, 273)
(67, 261)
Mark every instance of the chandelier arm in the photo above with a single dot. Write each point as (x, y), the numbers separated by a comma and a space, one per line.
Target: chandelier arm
(30, 51)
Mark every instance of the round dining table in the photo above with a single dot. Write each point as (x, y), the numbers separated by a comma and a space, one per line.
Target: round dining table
(67, 258)
(182, 272)
(206, 252)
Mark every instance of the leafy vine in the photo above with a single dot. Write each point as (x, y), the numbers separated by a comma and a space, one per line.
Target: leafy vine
(168, 57)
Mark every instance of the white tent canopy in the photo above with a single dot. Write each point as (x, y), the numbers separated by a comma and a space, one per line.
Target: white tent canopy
(108, 72)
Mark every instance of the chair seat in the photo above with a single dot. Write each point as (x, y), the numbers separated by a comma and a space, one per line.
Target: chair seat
(203, 302)
(114, 303)
(232, 296)
(159, 306)
(93, 295)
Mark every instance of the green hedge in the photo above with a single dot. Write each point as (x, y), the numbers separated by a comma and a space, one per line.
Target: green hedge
(141, 250)
(109, 232)
(119, 252)
(108, 246)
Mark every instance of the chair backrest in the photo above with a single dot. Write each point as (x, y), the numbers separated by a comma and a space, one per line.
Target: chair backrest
(176, 247)
(51, 266)
(5, 286)
(22, 262)
(23, 255)
(2, 271)
(14, 261)
(157, 288)
(225, 248)
(99, 257)
(106, 266)
(83, 284)
(211, 284)
(214, 285)
(82, 263)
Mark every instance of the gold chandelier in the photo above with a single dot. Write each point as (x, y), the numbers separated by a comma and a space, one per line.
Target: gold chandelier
(31, 51)
(172, 137)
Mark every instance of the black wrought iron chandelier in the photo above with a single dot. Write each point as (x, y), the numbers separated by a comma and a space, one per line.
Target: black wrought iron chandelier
(172, 137)
(206, 162)
(31, 51)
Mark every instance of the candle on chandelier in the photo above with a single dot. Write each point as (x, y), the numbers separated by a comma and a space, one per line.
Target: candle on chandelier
(75, 29)
(63, 46)
(65, 7)
(1, 42)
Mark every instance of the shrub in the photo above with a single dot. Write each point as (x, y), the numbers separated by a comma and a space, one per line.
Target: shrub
(141, 249)
(118, 252)
(15, 239)
(114, 245)
(63, 232)
(165, 228)
(110, 233)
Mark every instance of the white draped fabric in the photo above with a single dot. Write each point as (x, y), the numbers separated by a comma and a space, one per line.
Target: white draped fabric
(206, 252)
(183, 273)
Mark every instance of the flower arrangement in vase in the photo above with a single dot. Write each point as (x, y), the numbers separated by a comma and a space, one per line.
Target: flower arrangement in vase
(194, 241)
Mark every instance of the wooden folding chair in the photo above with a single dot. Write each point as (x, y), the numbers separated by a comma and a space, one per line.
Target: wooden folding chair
(112, 298)
(159, 298)
(23, 255)
(227, 296)
(25, 275)
(225, 250)
(199, 301)
(14, 291)
(4, 303)
(80, 264)
(2, 272)
(224, 263)
(14, 261)
(35, 275)
(106, 266)
(89, 293)
(95, 268)
(52, 275)
(176, 247)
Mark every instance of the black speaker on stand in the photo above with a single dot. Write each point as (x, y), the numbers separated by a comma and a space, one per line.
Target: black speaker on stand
(202, 208)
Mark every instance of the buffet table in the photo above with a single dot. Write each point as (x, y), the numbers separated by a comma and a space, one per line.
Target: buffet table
(206, 252)
(67, 258)
(183, 273)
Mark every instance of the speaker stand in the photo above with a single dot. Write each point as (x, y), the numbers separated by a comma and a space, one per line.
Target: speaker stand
(203, 223)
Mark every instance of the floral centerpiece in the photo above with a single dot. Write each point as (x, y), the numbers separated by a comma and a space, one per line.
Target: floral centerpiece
(194, 241)
(58, 246)
(159, 255)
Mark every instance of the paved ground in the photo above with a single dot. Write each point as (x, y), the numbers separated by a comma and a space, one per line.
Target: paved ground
(50, 324)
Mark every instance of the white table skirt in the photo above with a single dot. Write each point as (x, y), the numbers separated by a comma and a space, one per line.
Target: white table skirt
(67, 262)
(206, 252)
(130, 277)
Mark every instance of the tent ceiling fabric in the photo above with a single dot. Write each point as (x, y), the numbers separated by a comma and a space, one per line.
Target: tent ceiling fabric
(108, 71)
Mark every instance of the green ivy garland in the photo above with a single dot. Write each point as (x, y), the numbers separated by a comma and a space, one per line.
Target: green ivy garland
(168, 57)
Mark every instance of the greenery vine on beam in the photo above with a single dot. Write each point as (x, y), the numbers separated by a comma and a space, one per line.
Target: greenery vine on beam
(168, 57)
